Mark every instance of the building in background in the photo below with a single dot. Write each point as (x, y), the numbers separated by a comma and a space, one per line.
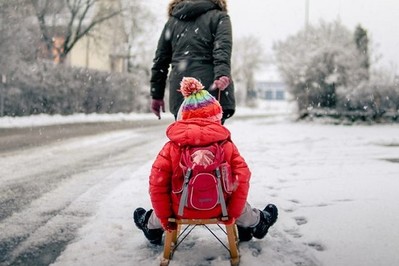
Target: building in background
(269, 86)
(105, 49)
(107, 52)
(270, 90)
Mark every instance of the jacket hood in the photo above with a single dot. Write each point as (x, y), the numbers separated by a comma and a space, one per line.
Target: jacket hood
(189, 9)
(197, 132)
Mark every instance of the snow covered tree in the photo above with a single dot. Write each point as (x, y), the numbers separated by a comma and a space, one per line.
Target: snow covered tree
(376, 95)
(317, 62)
(18, 35)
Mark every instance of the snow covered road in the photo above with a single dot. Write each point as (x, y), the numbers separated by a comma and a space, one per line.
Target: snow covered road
(70, 202)
(47, 192)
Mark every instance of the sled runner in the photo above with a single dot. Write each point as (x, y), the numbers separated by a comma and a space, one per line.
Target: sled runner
(175, 237)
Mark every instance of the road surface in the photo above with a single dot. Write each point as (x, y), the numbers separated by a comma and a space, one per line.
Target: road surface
(52, 176)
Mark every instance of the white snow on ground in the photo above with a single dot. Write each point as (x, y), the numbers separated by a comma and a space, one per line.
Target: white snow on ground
(335, 186)
(44, 119)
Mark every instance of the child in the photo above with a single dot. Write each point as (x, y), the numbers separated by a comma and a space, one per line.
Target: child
(199, 124)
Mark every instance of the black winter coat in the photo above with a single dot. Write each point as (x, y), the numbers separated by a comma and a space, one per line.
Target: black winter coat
(197, 42)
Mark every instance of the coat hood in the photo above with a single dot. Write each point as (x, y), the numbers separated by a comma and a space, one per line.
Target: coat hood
(197, 132)
(189, 9)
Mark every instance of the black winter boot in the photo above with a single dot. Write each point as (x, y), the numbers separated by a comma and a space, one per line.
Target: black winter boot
(267, 218)
(244, 233)
(141, 217)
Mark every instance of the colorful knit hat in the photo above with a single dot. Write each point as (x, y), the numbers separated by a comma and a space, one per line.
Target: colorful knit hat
(198, 103)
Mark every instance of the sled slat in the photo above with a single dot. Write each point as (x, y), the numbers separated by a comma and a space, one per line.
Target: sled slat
(171, 239)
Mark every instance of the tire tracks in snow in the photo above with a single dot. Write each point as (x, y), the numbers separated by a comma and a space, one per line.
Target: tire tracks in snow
(44, 203)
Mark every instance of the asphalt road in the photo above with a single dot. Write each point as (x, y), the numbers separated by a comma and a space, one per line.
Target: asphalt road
(12, 139)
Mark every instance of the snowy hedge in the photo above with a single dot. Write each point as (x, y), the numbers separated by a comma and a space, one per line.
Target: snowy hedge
(371, 100)
(45, 88)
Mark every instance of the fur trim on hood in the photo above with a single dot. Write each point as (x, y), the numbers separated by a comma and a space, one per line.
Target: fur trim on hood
(173, 3)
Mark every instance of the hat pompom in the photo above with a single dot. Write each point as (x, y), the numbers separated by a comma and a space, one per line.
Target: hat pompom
(190, 86)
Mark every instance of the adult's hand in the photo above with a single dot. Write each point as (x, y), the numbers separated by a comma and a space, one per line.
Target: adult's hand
(156, 107)
(221, 83)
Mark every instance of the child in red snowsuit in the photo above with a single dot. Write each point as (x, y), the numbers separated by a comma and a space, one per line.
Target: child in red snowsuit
(199, 124)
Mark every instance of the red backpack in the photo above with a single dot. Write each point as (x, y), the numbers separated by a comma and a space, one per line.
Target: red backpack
(208, 180)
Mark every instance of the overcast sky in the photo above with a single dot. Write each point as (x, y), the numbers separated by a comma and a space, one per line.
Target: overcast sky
(273, 20)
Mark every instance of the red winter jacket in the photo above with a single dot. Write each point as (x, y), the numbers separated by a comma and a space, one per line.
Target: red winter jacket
(167, 176)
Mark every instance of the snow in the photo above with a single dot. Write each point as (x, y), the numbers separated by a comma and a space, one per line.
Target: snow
(45, 119)
(334, 185)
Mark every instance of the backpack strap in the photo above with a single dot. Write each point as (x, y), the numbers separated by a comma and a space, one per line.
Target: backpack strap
(221, 195)
(184, 195)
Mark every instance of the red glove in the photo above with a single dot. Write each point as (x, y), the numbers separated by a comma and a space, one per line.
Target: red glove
(222, 83)
(157, 106)
(167, 225)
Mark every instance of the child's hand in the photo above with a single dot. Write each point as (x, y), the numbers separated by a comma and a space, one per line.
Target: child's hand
(168, 226)
(229, 221)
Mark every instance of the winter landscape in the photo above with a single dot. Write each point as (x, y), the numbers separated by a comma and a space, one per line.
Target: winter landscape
(335, 186)
(317, 95)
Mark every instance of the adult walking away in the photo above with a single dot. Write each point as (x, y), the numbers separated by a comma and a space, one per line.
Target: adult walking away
(197, 42)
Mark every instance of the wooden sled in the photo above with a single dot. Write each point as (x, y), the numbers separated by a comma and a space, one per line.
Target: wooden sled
(175, 237)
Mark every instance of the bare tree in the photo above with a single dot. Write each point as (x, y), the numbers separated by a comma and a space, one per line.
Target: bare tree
(137, 28)
(63, 23)
(248, 57)
(362, 45)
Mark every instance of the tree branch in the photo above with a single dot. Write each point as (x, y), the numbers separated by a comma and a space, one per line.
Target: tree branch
(72, 38)
(89, 27)
(40, 14)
